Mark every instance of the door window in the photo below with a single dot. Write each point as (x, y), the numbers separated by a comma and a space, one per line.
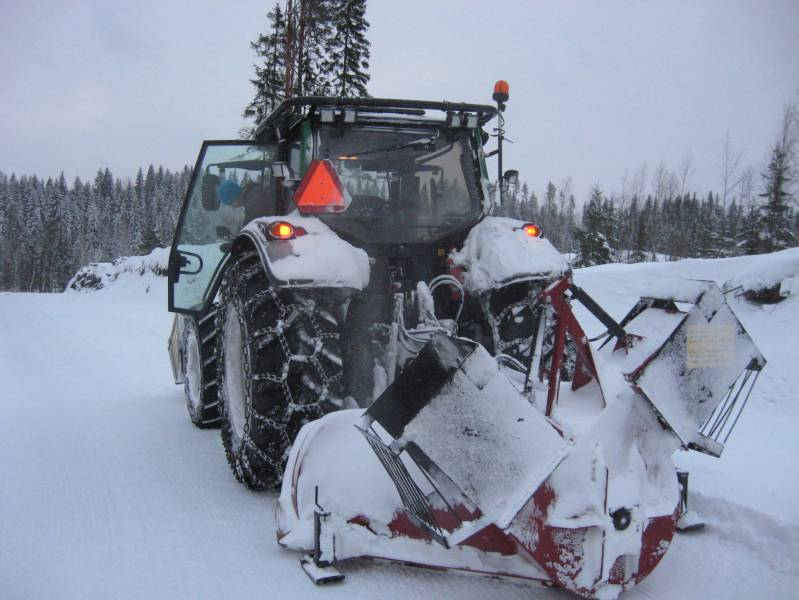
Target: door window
(232, 185)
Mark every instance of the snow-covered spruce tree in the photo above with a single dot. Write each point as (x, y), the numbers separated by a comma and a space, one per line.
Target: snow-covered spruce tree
(592, 245)
(774, 227)
(270, 72)
(48, 229)
(549, 214)
(149, 242)
(748, 238)
(348, 48)
(610, 225)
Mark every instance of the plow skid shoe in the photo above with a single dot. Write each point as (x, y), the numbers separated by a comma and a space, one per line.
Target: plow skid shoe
(692, 359)
(689, 521)
(320, 575)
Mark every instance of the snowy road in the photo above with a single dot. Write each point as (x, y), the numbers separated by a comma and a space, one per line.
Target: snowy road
(107, 490)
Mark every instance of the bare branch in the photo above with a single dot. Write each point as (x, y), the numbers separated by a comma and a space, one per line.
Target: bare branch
(687, 172)
(730, 169)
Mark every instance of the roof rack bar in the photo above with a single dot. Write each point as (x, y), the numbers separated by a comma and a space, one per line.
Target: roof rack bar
(485, 112)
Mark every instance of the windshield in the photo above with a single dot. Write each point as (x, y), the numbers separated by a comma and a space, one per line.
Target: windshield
(406, 185)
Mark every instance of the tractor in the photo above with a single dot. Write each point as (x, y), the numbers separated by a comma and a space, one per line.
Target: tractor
(406, 367)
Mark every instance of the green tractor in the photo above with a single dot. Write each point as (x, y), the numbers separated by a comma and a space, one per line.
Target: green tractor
(299, 252)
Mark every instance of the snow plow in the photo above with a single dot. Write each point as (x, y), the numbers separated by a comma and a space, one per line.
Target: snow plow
(408, 369)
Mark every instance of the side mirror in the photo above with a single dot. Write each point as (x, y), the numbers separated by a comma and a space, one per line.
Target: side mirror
(281, 170)
(511, 177)
(210, 197)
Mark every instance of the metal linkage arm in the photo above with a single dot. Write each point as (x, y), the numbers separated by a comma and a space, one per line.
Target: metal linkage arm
(614, 328)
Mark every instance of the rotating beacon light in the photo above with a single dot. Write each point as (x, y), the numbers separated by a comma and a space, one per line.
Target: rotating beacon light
(501, 96)
(501, 92)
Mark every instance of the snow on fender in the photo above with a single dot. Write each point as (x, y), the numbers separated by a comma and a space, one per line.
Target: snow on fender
(497, 251)
(318, 258)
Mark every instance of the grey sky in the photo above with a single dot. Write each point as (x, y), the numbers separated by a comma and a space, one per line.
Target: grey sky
(597, 88)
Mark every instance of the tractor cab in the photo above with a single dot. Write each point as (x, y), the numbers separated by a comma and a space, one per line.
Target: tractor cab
(406, 173)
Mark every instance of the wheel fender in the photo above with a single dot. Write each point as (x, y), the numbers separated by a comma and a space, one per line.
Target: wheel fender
(317, 258)
(497, 252)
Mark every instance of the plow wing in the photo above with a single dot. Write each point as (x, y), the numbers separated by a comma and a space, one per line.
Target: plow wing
(691, 363)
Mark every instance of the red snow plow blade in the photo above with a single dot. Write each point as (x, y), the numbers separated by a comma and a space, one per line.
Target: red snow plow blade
(562, 474)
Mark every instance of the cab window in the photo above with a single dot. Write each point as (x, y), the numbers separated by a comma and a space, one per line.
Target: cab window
(232, 185)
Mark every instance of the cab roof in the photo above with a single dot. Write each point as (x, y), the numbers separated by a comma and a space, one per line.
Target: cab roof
(290, 111)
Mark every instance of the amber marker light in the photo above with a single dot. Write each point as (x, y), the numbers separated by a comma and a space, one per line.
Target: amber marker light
(281, 230)
(532, 230)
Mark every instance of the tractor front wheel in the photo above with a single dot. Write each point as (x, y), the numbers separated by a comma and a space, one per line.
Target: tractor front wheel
(199, 370)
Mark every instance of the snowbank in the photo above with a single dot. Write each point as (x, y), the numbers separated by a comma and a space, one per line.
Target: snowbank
(95, 276)
(768, 277)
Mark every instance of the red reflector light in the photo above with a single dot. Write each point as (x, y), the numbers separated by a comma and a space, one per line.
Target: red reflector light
(321, 191)
(532, 230)
(281, 230)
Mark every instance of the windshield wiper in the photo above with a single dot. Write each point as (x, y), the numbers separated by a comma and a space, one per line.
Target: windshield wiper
(430, 139)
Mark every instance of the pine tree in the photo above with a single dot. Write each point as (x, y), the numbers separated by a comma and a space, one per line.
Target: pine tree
(313, 75)
(149, 241)
(748, 238)
(549, 213)
(312, 48)
(48, 229)
(270, 74)
(348, 48)
(308, 28)
(593, 248)
(773, 224)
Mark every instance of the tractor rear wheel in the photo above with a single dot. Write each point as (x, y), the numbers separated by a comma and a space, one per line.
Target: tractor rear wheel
(279, 367)
(199, 370)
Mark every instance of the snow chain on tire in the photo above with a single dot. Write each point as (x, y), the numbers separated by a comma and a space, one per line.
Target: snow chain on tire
(512, 313)
(290, 369)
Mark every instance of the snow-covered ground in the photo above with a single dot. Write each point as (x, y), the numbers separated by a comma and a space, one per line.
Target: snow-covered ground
(108, 491)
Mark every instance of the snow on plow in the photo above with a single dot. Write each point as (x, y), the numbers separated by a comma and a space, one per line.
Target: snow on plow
(561, 475)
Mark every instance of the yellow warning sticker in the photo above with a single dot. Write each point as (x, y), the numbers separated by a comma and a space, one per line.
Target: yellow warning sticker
(710, 346)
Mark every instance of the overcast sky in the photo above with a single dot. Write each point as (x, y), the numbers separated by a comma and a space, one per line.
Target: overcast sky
(597, 88)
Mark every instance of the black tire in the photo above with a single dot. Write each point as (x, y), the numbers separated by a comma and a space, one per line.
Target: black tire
(279, 367)
(199, 370)
(513, 319)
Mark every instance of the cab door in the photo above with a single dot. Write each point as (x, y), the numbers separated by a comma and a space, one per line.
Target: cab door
(232, 183)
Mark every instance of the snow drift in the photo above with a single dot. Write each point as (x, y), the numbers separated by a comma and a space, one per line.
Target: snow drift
(768, 277)
(95, 276)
